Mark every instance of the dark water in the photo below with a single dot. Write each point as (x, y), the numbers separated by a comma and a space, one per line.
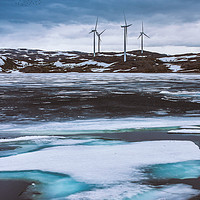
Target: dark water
(60, 97)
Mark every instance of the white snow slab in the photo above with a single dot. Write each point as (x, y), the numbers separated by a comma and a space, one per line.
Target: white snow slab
(91, 62)
(168, 59)
(2, 62)
(4, 57)
(15, 72)
(174, 68)
(120, 54)
(26, 138)
(58, 64)
(187, 57)
(186, 131)
(97, 70)
(106, 55)
(39, 59)
(103, 164)
(176, 59)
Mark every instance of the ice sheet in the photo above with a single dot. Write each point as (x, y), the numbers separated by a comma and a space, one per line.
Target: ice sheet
(103, 164)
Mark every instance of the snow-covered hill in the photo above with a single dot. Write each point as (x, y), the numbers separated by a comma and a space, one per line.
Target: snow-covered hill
(38, 61)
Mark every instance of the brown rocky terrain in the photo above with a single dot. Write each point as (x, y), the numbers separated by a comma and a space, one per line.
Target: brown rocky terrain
(38, 61)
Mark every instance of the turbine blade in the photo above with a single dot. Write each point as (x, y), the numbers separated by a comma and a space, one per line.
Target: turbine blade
(96, 24)
(142, 27)
(97, 33)
(90, 32)
(125, 19)
(102, 32)
(129, 25)
(140, 35)
(146, 35)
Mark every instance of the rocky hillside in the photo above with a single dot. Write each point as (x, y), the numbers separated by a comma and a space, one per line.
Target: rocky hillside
(38, 61)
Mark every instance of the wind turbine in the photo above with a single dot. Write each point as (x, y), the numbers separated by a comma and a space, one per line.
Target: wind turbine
(142, 34)
(125, 27)
(99, 39)
(94, 31)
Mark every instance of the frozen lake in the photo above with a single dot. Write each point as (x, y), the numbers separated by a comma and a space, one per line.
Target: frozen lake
(101, 136)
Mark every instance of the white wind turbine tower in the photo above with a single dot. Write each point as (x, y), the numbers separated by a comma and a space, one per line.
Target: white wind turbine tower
(125, 27)
(99, 40)
(142, 34)
(94, 31)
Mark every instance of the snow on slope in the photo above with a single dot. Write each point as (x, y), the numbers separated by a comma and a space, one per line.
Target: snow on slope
(2, 62)
(30, 61)
(174, 68)
(176, 58)
(91, 62)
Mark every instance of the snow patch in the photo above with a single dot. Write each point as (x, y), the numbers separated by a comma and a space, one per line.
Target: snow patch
(120, 54)
(91, 62)
(4, 57)
(39, 59)
(174, 68)
(167, 59)
(103, 164)
(25, 138)
(2, 62)
(105, 55)
(176, 59)
(97, 70)
(185, 131)
(65, 54)
(58, 64)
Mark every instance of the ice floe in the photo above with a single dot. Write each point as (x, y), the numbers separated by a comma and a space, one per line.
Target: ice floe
(186, 131)
(25, 138)
(103, 165)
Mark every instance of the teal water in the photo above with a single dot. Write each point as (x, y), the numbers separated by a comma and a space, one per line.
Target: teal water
(25, 146)
(50, 185)
(180, 170)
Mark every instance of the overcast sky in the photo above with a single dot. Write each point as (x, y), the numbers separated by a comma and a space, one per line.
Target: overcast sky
(173, 25)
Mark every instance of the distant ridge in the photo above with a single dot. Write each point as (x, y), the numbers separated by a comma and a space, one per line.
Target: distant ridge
(39, 61)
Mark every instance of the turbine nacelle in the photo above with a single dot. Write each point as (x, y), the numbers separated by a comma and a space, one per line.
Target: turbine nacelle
(142, 34)
(99, 34)
(126, 26)
(92, 31)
